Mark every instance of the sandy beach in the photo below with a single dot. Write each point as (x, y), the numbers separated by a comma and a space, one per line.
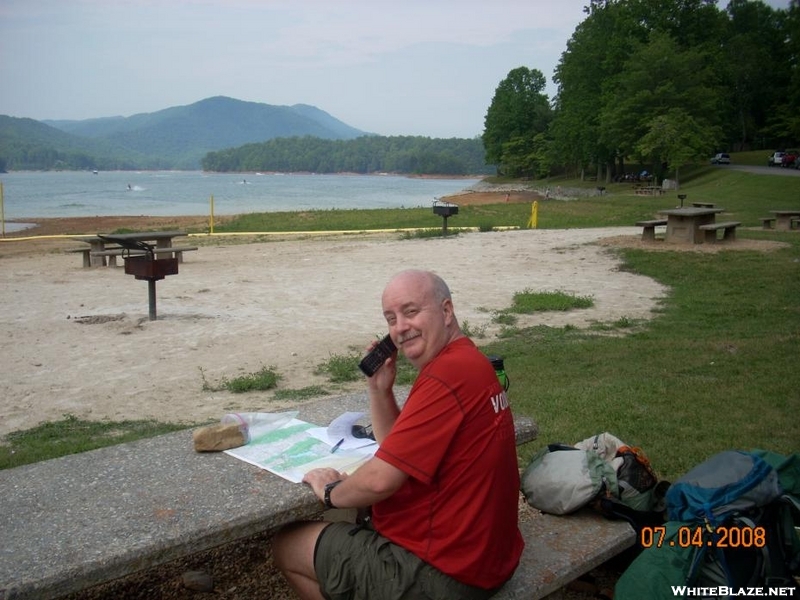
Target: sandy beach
(78, 341)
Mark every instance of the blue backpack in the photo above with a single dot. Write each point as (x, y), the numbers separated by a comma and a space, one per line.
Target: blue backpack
(727, 483)
(731, 523)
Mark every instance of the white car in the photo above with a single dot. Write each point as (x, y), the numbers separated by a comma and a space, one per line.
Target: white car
(775, 159)
(721, 159)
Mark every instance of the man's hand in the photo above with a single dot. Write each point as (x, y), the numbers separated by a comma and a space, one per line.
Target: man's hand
(319, 478)
(383, 379)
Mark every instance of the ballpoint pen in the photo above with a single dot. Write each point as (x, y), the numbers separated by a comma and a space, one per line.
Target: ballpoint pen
(336, 446)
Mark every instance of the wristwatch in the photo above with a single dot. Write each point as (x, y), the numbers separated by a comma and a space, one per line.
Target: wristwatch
(327, 496)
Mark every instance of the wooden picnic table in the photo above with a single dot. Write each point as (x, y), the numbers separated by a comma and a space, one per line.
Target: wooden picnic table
(683, 224)
(783, 218)
(162, 239)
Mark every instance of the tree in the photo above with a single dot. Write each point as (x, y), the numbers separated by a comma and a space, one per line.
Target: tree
(662, 87)
(758, 71)
(676, 138)
(595, 55)
(519, 111)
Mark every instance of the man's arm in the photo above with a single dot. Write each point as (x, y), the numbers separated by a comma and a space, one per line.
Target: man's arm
(372, 482)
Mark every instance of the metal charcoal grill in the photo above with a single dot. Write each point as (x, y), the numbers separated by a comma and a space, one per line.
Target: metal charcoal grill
(444, 210)
(141, 262)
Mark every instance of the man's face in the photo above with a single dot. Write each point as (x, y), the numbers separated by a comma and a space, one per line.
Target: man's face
(418, 322)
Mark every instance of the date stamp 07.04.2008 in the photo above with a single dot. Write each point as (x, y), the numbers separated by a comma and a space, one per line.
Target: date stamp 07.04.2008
(699, 536)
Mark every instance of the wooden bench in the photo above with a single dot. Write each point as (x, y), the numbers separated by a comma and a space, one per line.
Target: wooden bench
(728, 234)
(703, 204)
(113, 253)
(767, 222)
(649, 231)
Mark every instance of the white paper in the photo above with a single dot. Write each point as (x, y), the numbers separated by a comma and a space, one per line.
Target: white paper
(341, 429)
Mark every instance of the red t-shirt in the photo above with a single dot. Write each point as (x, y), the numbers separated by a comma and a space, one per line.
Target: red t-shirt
(455, 439)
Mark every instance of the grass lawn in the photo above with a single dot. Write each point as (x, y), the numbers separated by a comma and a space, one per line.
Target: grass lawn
(717, 368)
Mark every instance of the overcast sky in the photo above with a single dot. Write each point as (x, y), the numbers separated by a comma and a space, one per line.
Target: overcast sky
(391, 67)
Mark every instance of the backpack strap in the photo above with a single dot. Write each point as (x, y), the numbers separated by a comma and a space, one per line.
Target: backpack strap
(789, 514)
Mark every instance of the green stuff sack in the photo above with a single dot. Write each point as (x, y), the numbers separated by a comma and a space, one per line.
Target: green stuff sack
(560, 479)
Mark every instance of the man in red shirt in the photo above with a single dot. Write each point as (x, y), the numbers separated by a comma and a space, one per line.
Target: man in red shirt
(443, 486)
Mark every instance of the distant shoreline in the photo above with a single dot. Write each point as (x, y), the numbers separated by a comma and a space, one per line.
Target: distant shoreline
(54, 226)
(253, 173)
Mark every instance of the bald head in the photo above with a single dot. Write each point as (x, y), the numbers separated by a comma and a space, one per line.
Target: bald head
(419, 311)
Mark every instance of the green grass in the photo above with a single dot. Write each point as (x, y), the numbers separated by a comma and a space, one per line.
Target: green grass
(266, 378)
(70, 435)
(528, 302)
(718, 367)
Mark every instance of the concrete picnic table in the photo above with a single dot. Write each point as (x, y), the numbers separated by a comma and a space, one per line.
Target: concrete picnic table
(683, 224)
(162, 239)
(80, 520)
(783, 218)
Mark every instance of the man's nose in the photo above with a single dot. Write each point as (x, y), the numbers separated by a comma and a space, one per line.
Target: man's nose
(401, 324)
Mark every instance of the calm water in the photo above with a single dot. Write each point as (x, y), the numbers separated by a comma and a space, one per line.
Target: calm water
(168, 193)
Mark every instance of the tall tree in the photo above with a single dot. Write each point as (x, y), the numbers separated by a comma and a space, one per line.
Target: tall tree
(661, 80)
(595, 54)
(757, 69)
(594, 67)
(519, 111)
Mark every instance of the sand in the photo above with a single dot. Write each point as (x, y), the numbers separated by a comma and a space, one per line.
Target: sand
(78, 341)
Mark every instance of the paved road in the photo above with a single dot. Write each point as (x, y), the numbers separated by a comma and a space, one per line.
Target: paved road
(763, 170)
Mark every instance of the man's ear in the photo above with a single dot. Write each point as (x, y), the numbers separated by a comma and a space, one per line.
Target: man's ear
(447, 309)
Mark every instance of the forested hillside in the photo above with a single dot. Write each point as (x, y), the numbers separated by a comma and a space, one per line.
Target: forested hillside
(26, 144)
(368, 154)
(173, 138)
(657, 83)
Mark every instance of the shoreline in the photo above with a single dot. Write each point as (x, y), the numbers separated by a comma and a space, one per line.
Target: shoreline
(51, 226)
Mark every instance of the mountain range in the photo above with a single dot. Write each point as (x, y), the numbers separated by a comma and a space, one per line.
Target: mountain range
(173, 138)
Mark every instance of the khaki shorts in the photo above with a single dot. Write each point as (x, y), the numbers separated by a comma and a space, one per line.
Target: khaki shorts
(355, 562)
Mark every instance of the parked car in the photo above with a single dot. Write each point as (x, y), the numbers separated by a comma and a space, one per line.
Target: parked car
(721, 158)
(775, 159)
(789, 159)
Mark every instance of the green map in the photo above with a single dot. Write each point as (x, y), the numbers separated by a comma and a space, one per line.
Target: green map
(292, 451)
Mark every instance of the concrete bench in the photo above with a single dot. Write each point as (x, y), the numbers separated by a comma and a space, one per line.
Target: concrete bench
(85, 252)
(728, 231)
(767, 222)
(559, 549)
(649, 231)
(113, 253)
(78, 521)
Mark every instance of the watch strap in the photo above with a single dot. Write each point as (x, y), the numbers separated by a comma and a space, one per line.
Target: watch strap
(326, 500)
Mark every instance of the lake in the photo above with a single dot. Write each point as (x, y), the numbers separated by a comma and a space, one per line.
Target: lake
(178, 193)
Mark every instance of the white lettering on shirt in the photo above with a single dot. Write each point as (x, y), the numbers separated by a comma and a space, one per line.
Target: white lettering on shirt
(499, 402)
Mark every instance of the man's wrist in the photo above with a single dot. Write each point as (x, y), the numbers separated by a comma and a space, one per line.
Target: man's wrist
(326, 497)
